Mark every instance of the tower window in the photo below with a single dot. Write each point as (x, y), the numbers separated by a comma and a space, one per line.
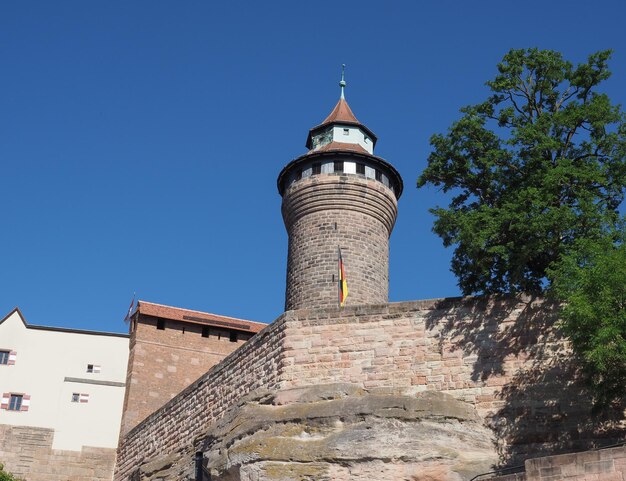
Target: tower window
(338, 167)
(360, 169)
(160, 324)
(4, 357)
(205, 331)
(317, 168)
(298, 175)
(346, 131)
(233, 336)
(379, 176)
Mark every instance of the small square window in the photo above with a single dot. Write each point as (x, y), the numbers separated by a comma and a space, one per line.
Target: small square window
(160, 324)
(4, 357)
(360, 169)
(346, 131)
(317, 168)
(379, 176)
(298, 175)
(338, 167)
(205, 331)
(15, 403)
(75, 397)
(233, 336)
(93, 368)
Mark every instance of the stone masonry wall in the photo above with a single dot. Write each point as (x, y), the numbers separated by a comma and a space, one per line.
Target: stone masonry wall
(504, 357)
(324, 212)
(163, 362)
(602, 465)
(27, 453)
(599, 465)
(257, 364)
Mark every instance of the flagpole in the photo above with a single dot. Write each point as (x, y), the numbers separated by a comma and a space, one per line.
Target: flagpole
(338, 276)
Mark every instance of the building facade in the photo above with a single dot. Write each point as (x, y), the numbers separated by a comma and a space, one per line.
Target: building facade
(62, 397)
(170, 348)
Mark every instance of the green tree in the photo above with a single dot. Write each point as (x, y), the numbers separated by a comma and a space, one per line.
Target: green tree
(5, 476)
(591, 282)
(536, 167)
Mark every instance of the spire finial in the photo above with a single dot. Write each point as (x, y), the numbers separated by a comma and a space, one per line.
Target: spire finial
(342, 83)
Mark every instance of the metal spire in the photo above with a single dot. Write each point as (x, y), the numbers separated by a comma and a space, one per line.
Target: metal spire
(342, 83)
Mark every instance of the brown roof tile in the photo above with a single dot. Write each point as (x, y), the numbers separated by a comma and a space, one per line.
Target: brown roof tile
(197, 317)
(341, 146)
(341, 113)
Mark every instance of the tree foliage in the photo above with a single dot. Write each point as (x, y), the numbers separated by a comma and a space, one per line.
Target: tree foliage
(591, 282)
(6, 476)
(534, 168)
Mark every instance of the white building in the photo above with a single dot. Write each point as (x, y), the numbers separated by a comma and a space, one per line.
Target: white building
(67, 380)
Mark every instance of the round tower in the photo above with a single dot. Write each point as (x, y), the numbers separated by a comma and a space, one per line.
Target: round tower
(339, 201)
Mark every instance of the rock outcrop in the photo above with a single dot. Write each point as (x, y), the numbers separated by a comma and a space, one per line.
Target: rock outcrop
(340, 432)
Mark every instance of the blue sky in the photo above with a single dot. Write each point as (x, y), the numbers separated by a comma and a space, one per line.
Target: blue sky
(140, 141)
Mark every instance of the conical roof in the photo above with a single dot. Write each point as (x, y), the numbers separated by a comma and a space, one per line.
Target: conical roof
(341, 113)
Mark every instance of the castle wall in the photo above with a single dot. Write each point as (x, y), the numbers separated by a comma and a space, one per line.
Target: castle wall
(599, 465)
(26, 452)
(324, 212)
(502, 356)
(163, 362)
(178, 423)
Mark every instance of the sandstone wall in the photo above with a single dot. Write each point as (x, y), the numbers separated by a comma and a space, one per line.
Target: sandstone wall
(503, 357)
(324, 212)
(257, 364)
(27, 453)
(600, 465)
(163, 362)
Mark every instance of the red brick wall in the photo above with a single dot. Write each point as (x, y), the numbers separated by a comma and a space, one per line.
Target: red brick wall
(164, 362)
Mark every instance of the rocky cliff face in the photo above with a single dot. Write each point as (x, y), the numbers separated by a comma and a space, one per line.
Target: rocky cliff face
(340, 432)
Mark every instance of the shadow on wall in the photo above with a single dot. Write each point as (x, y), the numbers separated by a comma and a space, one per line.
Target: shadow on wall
(539, 405)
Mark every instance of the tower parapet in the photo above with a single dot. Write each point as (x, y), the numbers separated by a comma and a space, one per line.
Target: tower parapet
(338, 195)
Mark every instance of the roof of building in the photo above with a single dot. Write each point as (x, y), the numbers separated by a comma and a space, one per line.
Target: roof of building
(341, 113)
(59, 329)
(343, 146)
(197, 317)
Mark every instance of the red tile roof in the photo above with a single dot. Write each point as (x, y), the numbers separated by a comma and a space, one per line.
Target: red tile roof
(341, 113)
(197, 317)
(341, 146)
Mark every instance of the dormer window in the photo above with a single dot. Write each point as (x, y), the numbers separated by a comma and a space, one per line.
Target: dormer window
(346, 131)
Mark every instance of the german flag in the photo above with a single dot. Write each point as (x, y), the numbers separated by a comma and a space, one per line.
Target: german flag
(343, 284)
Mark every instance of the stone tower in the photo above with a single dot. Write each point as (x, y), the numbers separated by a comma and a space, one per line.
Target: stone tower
(338, 195)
